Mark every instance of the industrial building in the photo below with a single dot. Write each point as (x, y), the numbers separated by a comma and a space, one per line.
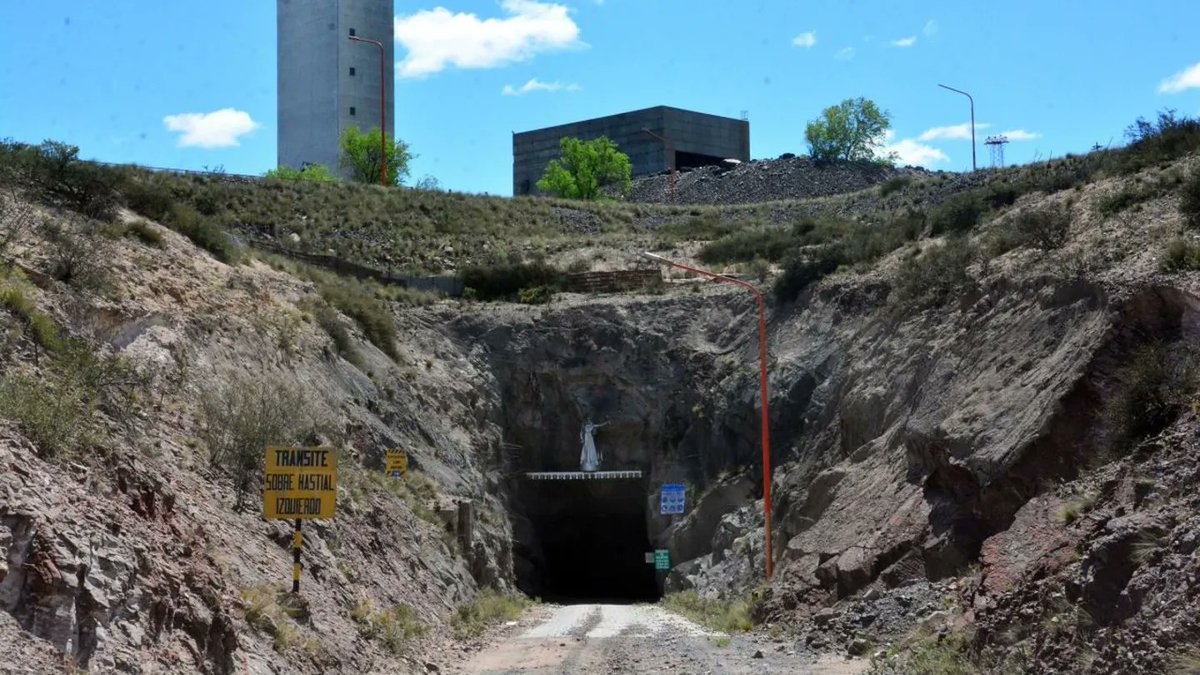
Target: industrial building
(327, 81)
(649, 137)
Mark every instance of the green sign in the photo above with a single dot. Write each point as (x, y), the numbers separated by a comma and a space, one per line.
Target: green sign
(662, 559)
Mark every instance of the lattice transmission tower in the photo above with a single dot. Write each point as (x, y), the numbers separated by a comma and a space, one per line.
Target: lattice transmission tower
(996, 147)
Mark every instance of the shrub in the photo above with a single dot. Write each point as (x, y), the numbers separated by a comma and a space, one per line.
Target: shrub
(999, 195)
(729, 616)
(957, 215)
(536, 295)
(148, 197)
(927, 653)
(77, 256)
(801, 272)
(16, 221)
(1116, 202)
(938, 275)
(394, 627)
(315, 173)
(145, 233)
(204, 233)
(488, 608)
(894, 185)
(1150, 390)
(417, 491)
(1046, 228)
(1182, 255)
(331, 322)
(770, 244)
(1165, 138)
(1189, 202)
(243, 416)
(357, 300)
(56, 174)
(38, 326)
(505, 281)
(51, 410)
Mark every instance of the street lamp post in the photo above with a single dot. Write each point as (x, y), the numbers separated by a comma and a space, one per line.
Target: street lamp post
(974, 167)
(670, 147)
(762, 375)
(382, 108)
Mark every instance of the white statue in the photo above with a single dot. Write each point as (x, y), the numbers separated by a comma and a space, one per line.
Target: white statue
(589, 458)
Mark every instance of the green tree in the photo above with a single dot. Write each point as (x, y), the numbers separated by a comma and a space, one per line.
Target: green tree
(585, 168)
(853, 130)
(314, 173)
(360, 154)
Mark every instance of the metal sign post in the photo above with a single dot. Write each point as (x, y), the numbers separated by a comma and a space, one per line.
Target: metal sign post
(299, 484)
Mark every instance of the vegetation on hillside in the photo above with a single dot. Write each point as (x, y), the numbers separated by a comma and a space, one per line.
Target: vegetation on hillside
(362, 155)
(853, 130)
(728, 616)
(317, 173)
(585, 169)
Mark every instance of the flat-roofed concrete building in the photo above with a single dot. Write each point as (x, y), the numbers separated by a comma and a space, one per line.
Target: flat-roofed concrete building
(328, 82)
(699, 139)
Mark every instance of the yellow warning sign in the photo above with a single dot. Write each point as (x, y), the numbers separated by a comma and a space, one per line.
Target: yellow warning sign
(300, 483)
(397, 463)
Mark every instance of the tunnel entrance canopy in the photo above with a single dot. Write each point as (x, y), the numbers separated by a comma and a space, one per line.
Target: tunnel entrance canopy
(589, 540)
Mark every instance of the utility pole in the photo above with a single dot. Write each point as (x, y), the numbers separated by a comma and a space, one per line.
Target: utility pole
(382, 108)
(974, 166)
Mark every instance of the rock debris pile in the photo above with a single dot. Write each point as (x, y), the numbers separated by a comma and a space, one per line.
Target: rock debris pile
(789, 177)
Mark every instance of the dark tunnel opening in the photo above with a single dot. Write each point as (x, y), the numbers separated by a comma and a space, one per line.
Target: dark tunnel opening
(693, 160)
(589, 540)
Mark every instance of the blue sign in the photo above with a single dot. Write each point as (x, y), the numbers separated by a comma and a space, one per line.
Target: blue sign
(672, 499)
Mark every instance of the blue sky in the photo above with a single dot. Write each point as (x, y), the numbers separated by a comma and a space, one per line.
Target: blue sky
(191, 84)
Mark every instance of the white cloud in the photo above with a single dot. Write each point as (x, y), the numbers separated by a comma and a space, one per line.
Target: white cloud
(1021, 135)
(537, 85)
(930, 29)
(1188, 78)
(438, 38)
(908, 151)
(904, 42)
(845, 54)
(217, 129)
(805, 39)
(954, 132)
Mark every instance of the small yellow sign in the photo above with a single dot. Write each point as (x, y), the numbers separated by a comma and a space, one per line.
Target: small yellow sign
(397, 463)
(300, 483)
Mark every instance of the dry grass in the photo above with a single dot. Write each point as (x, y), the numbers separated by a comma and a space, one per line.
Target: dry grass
(725, 615)
(487, 609)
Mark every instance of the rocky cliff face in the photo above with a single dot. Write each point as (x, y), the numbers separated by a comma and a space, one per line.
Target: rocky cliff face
(921, 449)
(130, 554)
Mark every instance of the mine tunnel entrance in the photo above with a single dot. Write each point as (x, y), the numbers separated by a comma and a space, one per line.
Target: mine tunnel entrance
(588, 540)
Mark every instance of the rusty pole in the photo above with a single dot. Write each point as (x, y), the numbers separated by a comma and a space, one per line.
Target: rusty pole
(382, 108)
(762, 378)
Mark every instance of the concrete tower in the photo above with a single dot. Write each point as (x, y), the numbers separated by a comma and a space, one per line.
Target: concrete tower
(328, 82)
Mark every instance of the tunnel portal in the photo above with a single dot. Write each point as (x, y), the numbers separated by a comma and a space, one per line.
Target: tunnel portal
(589, 540)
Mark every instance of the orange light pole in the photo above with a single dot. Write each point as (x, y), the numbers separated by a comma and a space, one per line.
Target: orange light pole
(762, 376)
(382, 108)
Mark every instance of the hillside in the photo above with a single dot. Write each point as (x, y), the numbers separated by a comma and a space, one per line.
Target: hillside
(983, 395)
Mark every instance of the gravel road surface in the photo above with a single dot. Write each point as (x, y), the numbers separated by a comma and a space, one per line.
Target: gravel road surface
(609, 638)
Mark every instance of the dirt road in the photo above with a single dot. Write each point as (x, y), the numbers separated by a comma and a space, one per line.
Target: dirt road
(602, 638)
